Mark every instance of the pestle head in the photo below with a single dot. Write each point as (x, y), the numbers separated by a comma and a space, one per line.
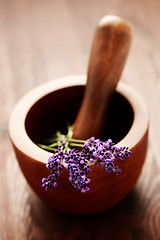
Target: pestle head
(113, 20)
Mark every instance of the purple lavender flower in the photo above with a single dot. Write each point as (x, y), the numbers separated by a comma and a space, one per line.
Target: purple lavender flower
(117, 170)
(78, 163)
(104, 153)
(50, 181)
(78, 168)
(55, 166)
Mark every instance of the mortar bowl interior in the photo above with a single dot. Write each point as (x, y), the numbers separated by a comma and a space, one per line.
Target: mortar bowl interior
(58, 110)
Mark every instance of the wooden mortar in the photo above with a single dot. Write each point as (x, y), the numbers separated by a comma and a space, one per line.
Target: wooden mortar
(57, 102)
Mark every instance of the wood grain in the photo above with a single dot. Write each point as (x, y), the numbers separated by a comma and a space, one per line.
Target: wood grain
(41, 40)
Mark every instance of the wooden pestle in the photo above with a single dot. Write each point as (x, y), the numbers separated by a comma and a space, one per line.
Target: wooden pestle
(109, 51)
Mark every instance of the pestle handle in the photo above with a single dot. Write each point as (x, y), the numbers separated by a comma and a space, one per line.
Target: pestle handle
(109, 51)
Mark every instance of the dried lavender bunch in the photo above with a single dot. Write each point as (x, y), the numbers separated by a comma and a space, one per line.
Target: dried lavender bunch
(93, 151)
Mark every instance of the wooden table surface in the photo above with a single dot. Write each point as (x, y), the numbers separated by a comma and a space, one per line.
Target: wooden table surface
(41, 40)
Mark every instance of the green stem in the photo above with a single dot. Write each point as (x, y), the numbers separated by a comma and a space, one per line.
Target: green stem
(75, 145)
(53, 144)
(76, 140)
(47, 147)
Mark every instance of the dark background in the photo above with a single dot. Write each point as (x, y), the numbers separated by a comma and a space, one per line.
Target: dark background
(45, 39)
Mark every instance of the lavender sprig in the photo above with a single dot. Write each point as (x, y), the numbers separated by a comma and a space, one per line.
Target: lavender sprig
(93, 151)
(55, 166)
